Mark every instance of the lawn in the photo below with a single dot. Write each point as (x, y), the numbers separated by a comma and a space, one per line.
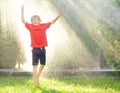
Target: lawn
(66, 84)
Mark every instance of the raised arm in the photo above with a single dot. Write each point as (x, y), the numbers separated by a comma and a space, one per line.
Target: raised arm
(22, 15)
(54, 20)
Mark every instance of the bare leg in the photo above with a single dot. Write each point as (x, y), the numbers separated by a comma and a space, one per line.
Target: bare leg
(35, 74)
(39, 72)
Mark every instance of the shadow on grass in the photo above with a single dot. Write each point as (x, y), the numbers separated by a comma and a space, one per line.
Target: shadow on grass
(40, 89)
(24, 84)
(101, 82)
(12, 81)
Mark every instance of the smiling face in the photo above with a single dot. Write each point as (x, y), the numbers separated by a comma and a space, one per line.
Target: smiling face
(35, 20)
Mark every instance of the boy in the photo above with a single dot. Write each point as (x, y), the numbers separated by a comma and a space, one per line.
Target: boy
(38, 42)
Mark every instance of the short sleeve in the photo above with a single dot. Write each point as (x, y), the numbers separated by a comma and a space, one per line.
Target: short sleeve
(27, 25)
(47, 25)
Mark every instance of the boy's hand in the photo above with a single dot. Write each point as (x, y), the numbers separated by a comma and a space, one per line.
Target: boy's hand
(22, 14)
(60, 13)
(22, 6)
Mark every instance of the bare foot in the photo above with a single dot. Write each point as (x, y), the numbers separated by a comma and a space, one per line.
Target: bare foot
(37, 81)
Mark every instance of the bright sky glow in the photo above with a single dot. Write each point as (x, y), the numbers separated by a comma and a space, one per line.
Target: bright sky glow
(61, 37)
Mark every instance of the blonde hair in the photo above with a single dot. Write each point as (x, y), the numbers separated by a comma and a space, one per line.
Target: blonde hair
(35, 16)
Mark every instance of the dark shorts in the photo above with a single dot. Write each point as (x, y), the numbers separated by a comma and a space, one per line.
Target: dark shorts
(38, 54)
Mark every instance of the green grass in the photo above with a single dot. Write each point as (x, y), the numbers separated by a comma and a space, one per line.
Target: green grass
(66, 84)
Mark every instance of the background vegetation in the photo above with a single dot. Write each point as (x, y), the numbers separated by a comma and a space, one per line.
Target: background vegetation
(96, 24)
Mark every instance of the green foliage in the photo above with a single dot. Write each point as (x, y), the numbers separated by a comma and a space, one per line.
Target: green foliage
(8, 52)
(10, 49)
(117, 2)
(112, 49)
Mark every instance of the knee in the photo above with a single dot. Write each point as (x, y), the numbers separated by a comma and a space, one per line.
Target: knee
(42, 66)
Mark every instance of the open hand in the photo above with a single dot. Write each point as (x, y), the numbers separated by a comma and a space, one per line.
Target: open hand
(60, 13)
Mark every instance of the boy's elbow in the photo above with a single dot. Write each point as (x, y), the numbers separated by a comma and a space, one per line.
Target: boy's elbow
(23, 21)
(52, 22)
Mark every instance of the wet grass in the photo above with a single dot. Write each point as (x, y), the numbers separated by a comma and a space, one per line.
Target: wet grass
(66, 84)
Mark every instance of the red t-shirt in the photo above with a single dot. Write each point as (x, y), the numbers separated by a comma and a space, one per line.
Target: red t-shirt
(38, 34)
